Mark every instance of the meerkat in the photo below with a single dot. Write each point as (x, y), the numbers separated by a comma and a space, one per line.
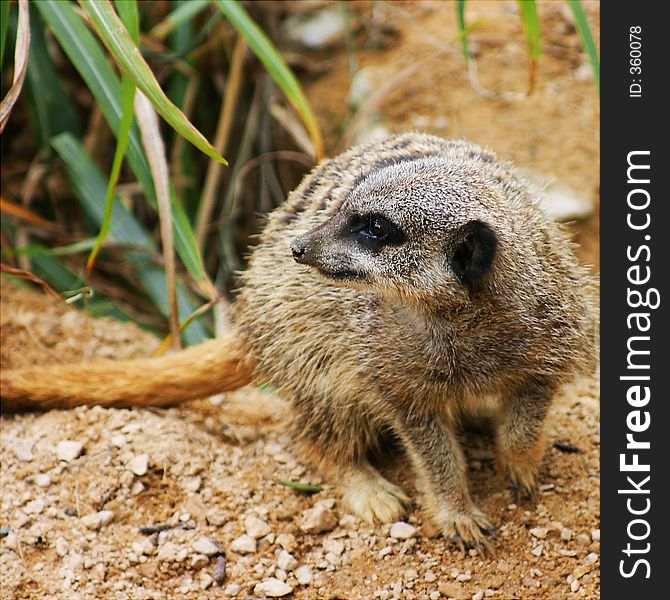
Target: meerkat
(402, 287)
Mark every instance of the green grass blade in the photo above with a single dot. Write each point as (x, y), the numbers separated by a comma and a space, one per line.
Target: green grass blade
(266, 52)
(586, 35)
(531, 25)
(462, 30)
(52, 108)
(130, 18)
(184, 12)
(89, 187)
(127, 99)
(115, 37)
(85, 53)
(4, 27)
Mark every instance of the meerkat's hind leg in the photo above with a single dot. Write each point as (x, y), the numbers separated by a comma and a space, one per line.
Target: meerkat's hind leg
(369, 496)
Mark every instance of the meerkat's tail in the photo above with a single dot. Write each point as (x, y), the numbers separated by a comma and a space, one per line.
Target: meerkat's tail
(209, 368)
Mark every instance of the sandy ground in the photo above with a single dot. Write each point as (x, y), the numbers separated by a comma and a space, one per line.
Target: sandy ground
(209, 472)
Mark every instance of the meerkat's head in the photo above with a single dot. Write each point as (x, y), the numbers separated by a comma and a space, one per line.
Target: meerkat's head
(414, 230)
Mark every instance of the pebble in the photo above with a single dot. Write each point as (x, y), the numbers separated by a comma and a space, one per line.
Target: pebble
(232, 590)
(286, 561)
(287, 541)
(318, 519)
(435, 595)
(574, 586)
(23, 449)
(453, 590)
(193, 484)
(402, 531)
(539, 532)
(206, 546)
(205, 581)
(68, 450)
(35, 507)
(272, 588)
(537, 551)
(61, 546)
(244, 544)
(43, 480)
(318, 29)
(430, 577)
(97, 520)
(304, 575)
(139, 464)
(595, 535)
(216, 519)
(478, 595)
(566, 534)
(591, 558)
(255, 527)
(334, 546)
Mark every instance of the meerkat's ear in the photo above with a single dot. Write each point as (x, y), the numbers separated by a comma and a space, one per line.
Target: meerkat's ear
(472, 252)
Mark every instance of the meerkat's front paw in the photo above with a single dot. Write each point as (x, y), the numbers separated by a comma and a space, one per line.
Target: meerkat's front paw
(522, 470)
(469, 527)
(371, 497)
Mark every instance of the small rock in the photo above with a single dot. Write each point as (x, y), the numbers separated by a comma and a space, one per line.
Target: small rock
(318, 29)
(255, 527)
(220, 570)
(566, 534)
(216, 519)
(478, 595)
(68, 450)
(334, 546)
(97, 520)
(61, 546)
(144, 546)
(286, 561)
(430, 577)
(206, 546)
(43, 480)
(206, 581)
(232, 590)
(139, 464)
(402, 531)
(34, 507)
(318, 519)
(537, 551)
(244, 544)
(118, 440)
(453, 590)
(435, 595)
(595, 535)
(304, 575)
(193, 484)
(575, 585)
(287, 541)
(539, 532)
(273, 588)
(591, 558)
(23, 449)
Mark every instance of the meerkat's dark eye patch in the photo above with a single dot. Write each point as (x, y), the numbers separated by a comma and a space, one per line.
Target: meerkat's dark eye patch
(375, 231)
(473, 254)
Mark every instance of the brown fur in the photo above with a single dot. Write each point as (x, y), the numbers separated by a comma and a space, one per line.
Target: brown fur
(473, 305)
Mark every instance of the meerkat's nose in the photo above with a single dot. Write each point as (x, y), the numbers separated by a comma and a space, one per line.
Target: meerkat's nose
(298, 247)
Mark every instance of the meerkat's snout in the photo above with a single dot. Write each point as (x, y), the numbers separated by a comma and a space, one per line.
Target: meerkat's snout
(298, 249)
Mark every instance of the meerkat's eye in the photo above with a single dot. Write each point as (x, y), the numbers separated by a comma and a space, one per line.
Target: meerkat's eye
(374, 231)
(377, 227)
